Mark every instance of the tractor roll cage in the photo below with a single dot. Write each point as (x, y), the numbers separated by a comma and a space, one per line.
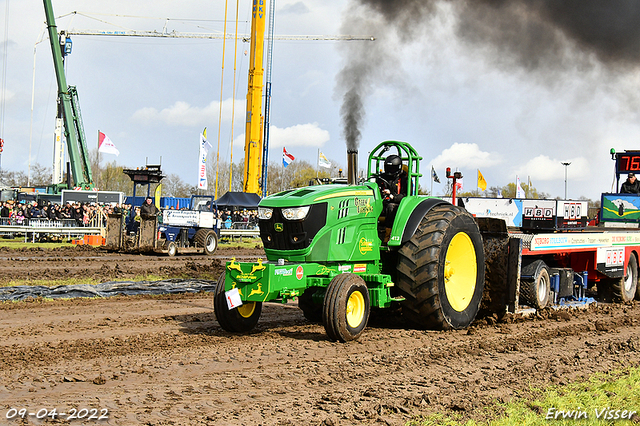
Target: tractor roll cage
(409, 156)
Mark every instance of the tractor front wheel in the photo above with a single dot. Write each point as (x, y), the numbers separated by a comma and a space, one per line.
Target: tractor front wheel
(172, 248)
(441, 270)
(238, 320)
(346, 307)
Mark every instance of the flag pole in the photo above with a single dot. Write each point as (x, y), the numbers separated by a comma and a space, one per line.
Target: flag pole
(318, 164)
(431, 180)
(98, 148)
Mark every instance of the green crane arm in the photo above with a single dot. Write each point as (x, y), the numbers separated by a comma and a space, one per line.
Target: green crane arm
(68, 99)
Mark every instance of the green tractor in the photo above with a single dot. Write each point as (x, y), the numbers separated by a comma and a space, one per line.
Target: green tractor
(332, 248)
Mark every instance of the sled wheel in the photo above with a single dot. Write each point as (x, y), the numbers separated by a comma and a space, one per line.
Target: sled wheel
(441, 270)
(311, 311)
(208, 239)
(172, 249)
(536, 292)
(345, 311)
(625, 288)
(238, 320)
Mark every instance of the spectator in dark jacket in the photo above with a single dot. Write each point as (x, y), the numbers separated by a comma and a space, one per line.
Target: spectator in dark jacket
(5, 212)
(631, 185)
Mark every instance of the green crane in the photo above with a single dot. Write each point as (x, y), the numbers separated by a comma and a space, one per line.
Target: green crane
(69, 111)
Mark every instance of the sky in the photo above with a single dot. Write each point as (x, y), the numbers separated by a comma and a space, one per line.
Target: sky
(463, 101)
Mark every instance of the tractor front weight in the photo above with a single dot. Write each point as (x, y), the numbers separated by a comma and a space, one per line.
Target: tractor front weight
(283, 281)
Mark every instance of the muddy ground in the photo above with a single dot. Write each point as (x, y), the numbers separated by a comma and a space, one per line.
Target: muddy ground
(82, 262)
(165, 361)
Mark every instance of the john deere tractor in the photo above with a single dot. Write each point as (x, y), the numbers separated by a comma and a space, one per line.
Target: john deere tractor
(330, 247)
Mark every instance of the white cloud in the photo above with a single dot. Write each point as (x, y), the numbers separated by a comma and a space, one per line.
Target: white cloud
(183, 114)
(297, 139)
(543, 168)
(300, 135)
(461, 155)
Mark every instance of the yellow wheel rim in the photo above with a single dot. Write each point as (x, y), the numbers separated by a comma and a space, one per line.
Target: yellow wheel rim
(355, 309)
(246, 309)
(460, 272)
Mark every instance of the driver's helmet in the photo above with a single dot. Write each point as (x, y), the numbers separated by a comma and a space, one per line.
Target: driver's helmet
(393, 164)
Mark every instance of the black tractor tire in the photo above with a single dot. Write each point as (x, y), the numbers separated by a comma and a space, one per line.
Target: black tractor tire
(311, 311)
(238, 320)
(536, 291)
(172, 248)
(346, 307)
(440, 295)
(207, 239)
(625, 289)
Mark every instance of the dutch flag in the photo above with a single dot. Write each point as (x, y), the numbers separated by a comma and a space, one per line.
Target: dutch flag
(286, 157)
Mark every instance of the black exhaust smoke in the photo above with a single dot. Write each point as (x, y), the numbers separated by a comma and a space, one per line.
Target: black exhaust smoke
(542, 37)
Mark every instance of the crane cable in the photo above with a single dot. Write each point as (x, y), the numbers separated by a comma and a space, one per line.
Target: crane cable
(4, 75)
(224, 45)
(233, 96)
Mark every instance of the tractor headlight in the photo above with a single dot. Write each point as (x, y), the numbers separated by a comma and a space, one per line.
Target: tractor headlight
(295, 213)
(264, 213)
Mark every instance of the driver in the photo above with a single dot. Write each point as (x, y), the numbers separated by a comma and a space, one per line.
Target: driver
(393, 187)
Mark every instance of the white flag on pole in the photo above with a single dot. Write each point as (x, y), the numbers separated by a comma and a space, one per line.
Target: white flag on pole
(519, 191)
(202, 160)
(322, 160)
(105, 145)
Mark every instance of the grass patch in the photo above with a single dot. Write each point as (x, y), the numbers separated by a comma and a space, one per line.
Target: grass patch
(244, 243)
(598, 400)
(18, 243)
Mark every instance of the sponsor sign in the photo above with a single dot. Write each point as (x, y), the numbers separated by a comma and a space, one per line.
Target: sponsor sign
(584, 240)
(506, 209)
(363, 205)
(299, 272)
(572, 214)
(620, 208)
(359, 268)
(284, 272)
(539, 214)
(365, 246)
(180, 217)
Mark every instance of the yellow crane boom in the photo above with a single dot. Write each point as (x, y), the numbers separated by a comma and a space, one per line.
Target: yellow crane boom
(253, 133)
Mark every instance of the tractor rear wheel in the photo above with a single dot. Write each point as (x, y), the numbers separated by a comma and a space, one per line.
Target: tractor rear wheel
(346, 307)
(625, 288)
(536, 291)
(311, 311)
(207, 239)
(441, 270)
(238, 320)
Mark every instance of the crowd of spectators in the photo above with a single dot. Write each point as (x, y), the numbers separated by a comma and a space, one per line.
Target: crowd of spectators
(238, 219)
(82, 214)
(94, 214)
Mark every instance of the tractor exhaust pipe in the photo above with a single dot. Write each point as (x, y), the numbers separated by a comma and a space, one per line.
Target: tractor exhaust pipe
(352, 166)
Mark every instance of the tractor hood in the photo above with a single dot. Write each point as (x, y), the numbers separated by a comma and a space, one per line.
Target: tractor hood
(316, 194)
(324, 222)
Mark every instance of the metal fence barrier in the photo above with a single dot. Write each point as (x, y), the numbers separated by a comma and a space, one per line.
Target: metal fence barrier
(36, 227)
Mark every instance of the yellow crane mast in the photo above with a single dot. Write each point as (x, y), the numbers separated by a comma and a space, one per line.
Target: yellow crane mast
(253, 134)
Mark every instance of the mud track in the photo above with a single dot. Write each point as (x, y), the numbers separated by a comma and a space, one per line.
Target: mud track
(165, 361)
